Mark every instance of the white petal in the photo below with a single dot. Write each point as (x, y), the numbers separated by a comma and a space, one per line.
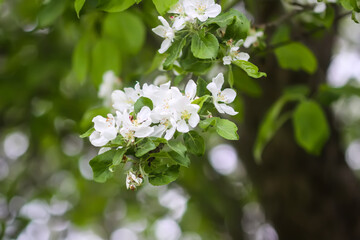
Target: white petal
(160, 30)
(97, 139)
(242, 56)
(218, 107)
(190, 89)
(144, 114)
(320, 7)
(103, 150)
(182, 126)
(179, 23)
(227, 60)
(203, 17)
(229, 95)
(144, 132)
(219, 80)
(110, 133)
(164, 22)
(213, 10)
(170, 133)
(194, 120)
(165, 46)
(213, 89)
(228, 110)
(100, 123)
(249, 41)
(158, 131)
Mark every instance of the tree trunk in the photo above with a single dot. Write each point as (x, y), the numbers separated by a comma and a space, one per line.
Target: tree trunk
(304, 196)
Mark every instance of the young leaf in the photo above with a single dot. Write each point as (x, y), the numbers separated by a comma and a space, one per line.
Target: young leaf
(201, 89)
(144, 147)
(249, 68)
(164, 177)
(116, 24)
(246, 84)
(204, 45)
(78, 4)
(115, 5)
(142, 102)
(194, 65)
(296, 56)
(311, 127)
(87, 133)
(162, 6)
(174, 52)
(194, 143)
(238, 29)
(227, 129)
(101, 164)
(200, 101)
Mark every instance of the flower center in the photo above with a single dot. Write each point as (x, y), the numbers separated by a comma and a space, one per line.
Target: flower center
(185, 115)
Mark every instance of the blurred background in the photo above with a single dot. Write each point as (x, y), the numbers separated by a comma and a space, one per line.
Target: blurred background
(51, 66)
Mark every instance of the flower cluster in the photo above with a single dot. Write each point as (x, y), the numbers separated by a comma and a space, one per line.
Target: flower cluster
(185, 11)
(163, 111)
(234, 53)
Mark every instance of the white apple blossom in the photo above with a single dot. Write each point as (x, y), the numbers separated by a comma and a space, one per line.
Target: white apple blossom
(201, 9)
(222, 98)
(109, 83)
(234, 54)
(181, 18)
(187, 114)
(106, 129)
(165, 31)
(125, 100)
(136, 127)
(253, 37)
(133, 181)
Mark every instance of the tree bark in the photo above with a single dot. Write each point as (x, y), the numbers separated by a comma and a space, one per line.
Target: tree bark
(304, 196)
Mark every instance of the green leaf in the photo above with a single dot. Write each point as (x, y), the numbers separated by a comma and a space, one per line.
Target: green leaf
(87, 133)
(328, 94)
(142, 102)
(162, 6)
(200, 101)
(174, 52)
(238, 29)
(165, 176)
(144, 147)
(78, 5)
(50, 12)
(178, 153)
(225, 19)
(296, 56)
(227, 129)
(249, 68)
(311, 127)
(115, 5)
(194, 143)
(101, 166)
(269, 126)
(204, 45)
(194, 65)
(81, 58)
(118, 141)
(246, 84)
(205, 124)
(105, 56)
(117, 24)
(118, 157)
(201, 89)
